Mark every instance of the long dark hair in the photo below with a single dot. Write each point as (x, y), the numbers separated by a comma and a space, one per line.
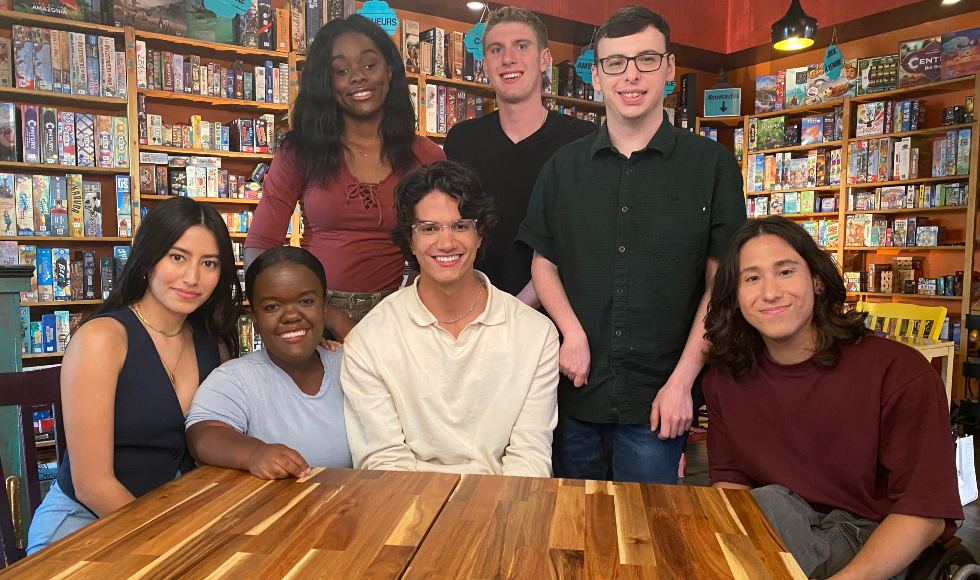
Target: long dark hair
(318, 120)
(163, 226)
(269, 258)
(734, 344)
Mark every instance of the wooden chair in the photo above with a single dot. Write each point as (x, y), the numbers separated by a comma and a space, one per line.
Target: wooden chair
(893, 314)
(29, 391)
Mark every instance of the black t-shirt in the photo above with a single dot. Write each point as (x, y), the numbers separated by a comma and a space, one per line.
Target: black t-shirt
(508, 171)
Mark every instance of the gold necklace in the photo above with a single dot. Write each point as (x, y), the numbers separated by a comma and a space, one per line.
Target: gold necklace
(172, 373)
(136, 310)
(454, 320)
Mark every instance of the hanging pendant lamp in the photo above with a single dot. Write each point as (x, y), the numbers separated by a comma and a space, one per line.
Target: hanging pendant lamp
(795, 30)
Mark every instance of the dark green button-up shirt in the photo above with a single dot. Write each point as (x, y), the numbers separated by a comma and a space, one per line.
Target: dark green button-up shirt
(631, 238)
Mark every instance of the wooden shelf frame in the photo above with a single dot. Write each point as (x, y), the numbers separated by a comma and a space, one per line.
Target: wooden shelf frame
(821, 145)
(62, 99)
(942, 209)
(221, 200)
(211, 50)
(206, 152)
(9, 17)
(190, 99)
(21, 167)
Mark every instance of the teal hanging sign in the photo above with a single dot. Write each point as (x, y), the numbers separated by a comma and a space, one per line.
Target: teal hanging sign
(584, 64)
(473, 40)
(669, 88)
(722, 102)
(833, 62)
(381, 14)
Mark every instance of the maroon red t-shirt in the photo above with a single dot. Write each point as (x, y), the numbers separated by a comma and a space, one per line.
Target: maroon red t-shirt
(870, 436)
(347, 224)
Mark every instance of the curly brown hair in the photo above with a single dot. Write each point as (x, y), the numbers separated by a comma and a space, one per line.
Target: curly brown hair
(455, 180)
(734, 344)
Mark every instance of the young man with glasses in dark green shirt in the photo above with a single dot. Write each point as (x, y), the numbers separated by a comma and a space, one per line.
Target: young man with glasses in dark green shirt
(627, 227)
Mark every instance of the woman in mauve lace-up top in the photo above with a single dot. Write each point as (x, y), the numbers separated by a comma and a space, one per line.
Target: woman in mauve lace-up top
(353, 138)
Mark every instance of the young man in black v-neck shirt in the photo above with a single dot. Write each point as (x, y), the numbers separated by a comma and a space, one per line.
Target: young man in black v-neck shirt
(508, 147)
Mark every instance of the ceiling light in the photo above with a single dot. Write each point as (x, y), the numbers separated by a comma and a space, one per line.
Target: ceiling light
(950, 2)
(475, 5)
(795, 30)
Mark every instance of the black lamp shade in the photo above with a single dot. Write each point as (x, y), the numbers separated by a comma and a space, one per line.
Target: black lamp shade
(795, 30)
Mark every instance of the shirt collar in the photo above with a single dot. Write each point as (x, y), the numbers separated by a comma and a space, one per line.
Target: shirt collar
(493, 314)
(662, 141)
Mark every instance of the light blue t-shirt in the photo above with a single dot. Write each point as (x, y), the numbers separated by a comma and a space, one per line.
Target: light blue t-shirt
(257, 398)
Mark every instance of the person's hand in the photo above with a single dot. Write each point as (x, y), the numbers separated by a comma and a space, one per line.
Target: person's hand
(275, 461)
(574, 359)
(672, 410)
(331, 345)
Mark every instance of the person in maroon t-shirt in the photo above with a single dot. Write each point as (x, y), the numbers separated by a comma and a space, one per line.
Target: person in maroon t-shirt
(843, 437)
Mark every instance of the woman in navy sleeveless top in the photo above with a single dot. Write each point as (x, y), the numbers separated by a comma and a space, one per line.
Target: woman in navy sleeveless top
(131, 370)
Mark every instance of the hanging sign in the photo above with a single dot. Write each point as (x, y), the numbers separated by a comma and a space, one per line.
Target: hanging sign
(584, 64)
(722, 102)
(378, 12)
(833, 62)
(669, 88)
(473, 40)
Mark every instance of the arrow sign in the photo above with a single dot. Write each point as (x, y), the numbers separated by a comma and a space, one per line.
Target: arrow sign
(722, 102)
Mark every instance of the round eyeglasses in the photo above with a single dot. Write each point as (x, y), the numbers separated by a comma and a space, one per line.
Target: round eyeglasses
(646, 62)
(460, 228)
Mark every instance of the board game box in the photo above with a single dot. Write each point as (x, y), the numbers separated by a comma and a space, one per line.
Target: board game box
(919, 61)
(766, 94)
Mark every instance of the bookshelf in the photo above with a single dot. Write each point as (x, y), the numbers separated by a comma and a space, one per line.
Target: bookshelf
(960, 253)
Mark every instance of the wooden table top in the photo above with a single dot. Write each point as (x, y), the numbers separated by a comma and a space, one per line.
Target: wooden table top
(543, 529)
(221, 524)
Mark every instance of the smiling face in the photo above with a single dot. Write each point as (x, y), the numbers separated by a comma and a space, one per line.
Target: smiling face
(360, 76)
(444, 259)
(185, 277)
(634, 95)
(514, 62)
(287, 311)
(776, 292)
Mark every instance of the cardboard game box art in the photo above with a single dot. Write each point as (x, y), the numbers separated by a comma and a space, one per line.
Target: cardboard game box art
(78, 10)
(162, 16)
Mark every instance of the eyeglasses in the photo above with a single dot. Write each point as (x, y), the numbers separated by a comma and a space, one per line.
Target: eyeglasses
(646, 62)
(460, 228)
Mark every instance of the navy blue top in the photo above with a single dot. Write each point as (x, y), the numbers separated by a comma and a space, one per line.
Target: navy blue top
(150, 443)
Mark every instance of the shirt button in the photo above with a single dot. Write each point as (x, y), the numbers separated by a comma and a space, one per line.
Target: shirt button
(175, 455)
(629, 172)
(619, 290)
(622, 248)
(625, 209)
(619, 333)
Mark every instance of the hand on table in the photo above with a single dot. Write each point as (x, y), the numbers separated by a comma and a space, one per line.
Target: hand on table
(275, 461)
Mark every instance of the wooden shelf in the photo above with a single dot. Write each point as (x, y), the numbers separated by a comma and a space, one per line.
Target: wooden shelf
(228, 200)
(904, 248)
(43, 355)
(237, 236)
(929, 132)
(8, 17)
(942, 209)
(574, 102)
(822, 214)
(913, 296)
(62, 303)
(206, 152)
(219, 102)
(825, 144)
(64, 239)
(21, 167)
(801, 111)
(950, 86)
(51, 98)
(923, 180)
(435, 80)
(436, 135)
(215, 50)
(728, 121)
(818, 188)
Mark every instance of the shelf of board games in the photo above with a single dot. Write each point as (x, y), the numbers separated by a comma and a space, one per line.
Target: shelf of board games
(206, 152)
(211, 50)
(51, 98)
(21, 167)
(57, 303)
(10, 17)
(821, 145)
(219, 200)
(903, 296)
(916, 210)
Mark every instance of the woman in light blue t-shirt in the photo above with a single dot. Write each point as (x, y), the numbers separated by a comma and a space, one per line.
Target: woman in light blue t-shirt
(279, 411)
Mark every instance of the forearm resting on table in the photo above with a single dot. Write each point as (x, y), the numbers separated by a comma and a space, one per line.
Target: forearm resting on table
(892, 547)
(550, 291)
(216, 443)
(102, 493)
(727, 485)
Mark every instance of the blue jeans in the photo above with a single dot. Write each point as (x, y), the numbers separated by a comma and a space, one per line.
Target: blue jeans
(56, 517)
(608, 451)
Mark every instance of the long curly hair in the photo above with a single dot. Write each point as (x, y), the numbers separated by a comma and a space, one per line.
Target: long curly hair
(734, 344)
(318, 120)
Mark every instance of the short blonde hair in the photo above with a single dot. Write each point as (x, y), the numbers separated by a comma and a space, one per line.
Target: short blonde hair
(523, 16)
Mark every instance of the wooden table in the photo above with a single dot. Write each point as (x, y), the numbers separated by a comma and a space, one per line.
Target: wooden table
(219, 524)
(543, 529)
(931, 348)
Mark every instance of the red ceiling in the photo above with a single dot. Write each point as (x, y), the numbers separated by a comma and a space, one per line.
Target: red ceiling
(723, 26)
